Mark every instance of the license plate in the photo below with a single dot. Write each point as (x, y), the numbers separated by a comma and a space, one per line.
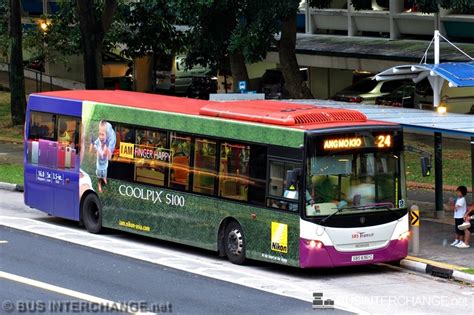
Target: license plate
(363, 257)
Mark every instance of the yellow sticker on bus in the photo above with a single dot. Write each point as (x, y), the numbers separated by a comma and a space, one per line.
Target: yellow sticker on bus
(279, 237)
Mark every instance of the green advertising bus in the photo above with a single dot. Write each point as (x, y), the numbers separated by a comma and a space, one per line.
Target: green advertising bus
(281, 182)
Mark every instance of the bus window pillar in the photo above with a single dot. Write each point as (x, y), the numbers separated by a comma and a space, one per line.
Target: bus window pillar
(438, 152)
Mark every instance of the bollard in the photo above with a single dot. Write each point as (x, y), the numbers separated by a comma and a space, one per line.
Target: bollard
(415, 229)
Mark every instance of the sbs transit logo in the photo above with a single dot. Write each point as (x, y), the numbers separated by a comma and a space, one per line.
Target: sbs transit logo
(279, 237)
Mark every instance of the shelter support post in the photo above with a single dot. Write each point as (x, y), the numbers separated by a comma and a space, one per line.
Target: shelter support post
(472, 169)
(438, 153)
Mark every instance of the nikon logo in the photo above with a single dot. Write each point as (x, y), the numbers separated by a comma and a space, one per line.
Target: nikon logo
(280, 248)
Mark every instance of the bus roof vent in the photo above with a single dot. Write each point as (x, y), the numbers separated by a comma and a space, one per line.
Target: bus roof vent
(329, 115)
(280, 113)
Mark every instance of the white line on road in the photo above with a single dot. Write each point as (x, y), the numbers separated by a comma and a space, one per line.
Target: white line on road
(75, 294)
(3, 242)
(264, 281)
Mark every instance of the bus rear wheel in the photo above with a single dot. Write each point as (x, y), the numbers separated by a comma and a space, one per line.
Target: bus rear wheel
(92, 213)
(234, 243)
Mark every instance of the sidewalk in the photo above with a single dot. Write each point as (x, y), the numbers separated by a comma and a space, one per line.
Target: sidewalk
(435, 238)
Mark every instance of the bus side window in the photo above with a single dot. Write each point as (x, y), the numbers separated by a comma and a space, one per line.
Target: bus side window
(41, 130)
(151, 157)
(205, 160)
(234, 171)
(68, 131)
(180, 161)
(258, 174)
(122, 164)
(285, 193)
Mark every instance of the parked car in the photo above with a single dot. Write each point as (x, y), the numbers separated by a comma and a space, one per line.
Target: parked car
(400, 97)
(367, 90)
(117, 71)
(456, 100)
(173, 77)
(272, 83)
(202, 86)
(34, 64)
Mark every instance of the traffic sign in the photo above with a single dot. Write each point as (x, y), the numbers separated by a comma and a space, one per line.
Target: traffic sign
(242, 86)
(415, 217)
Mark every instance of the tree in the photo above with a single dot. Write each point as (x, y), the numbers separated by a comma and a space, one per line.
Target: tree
(212, 24)
(137, 28)
(243, 31)
(145, 27)
(294, 83)
(17, 78)
(95, 19)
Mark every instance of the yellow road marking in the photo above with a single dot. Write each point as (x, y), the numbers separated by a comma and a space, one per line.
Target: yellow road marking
(68, 292)
(436, 263)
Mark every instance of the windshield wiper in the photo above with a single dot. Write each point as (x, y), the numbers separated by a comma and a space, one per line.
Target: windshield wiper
(367, 207)
(323, 220)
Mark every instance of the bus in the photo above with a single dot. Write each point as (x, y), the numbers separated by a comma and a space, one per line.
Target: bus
(279, 182)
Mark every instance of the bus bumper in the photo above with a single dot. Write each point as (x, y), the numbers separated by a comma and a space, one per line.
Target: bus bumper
(328, 256)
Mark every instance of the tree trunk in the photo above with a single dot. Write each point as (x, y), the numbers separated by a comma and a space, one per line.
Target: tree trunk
(93, 31)
(17, 78)
(294, 83)
(238, 69)
(93, 74)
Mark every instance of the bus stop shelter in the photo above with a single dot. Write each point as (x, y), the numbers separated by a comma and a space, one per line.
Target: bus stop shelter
(458, 75)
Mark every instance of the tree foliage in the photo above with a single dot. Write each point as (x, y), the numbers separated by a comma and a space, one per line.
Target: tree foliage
(4, 38)
(246, 28)
(145, 27)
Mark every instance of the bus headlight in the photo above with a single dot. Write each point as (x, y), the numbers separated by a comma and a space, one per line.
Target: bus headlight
(314, 244)
(404, 236)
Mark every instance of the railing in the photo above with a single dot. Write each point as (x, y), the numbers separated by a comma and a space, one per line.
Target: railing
(42, 79)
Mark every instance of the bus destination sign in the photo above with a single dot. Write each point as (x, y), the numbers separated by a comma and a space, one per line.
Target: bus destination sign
(355, 142)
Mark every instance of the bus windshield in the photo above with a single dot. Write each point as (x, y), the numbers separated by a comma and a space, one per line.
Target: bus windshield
(353, 178)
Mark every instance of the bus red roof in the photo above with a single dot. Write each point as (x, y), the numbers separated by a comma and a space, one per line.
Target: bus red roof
(294, 115)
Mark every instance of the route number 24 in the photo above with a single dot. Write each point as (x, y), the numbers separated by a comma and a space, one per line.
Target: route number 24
(384, 141)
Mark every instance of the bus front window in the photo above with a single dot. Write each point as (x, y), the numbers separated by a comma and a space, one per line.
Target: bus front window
(356, 181)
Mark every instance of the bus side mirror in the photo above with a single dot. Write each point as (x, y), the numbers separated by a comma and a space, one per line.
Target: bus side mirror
(425, 166)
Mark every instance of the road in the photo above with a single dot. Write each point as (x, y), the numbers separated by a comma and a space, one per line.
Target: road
(123, 267)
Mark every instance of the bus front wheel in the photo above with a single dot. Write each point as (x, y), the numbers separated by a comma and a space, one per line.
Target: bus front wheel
(92, 213)
(234, 243)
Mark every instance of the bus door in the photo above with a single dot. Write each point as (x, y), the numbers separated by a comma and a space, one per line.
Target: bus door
(52, 168)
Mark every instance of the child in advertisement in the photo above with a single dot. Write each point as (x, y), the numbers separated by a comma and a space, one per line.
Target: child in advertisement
(104, 146)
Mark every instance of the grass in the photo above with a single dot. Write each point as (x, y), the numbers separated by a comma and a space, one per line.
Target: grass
(7, 132)
(456, 161)
(11, 173)
(469, 271)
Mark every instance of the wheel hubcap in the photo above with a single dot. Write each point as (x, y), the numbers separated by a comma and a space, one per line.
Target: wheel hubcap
(235, 242)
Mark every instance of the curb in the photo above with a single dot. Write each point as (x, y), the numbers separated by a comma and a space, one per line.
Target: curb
(11, 187)
(437, 271)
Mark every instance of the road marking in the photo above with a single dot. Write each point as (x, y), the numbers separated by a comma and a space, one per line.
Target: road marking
(262, 280)
(68, 292)
(3, 242)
